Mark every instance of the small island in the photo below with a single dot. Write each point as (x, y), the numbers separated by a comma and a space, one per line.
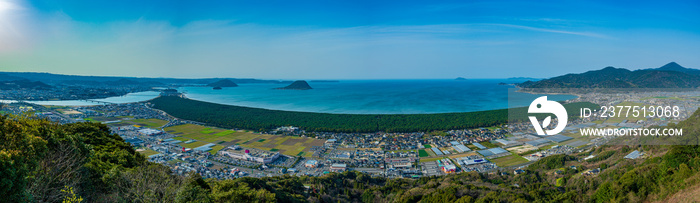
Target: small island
(217, 88)
(460, 78)
(296, 85)
(223, 83)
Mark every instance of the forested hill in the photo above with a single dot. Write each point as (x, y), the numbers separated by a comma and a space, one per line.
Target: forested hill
(24, 83)
(228, 116)
(297, 85)
(670, 75)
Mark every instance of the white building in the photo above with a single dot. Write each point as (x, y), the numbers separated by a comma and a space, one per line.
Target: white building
(150, 131)
(338, 167)
(256, 156)
(311, 164)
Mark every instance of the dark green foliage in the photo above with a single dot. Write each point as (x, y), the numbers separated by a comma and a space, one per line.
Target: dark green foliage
(24, 83)
(550, 162)
(194, 190)
(448, 194)
(663, 179)
(681, 155)
(39, 158)
(239, 191)
(21, 145)
(602, 156)
(661, 176)
(148, 183)
(109, 152)
(228, 116)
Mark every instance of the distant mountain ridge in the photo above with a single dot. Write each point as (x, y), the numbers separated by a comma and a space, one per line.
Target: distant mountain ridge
(673, 66)
(670, 75)
(50, 78)
(23, 83)
(223, 83)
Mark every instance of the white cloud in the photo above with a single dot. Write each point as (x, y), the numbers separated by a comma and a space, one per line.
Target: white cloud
(7, 5)
(13, 26)
(586, 34)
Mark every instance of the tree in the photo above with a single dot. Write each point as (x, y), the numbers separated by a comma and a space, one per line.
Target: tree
(70, 196)
(149, 183)
(195, 189)
(21, 148)
(237, 191)
(61, 167)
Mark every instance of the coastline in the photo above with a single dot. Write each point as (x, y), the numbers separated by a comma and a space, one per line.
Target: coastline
(521, 90)
(184, 94)
(87, 102)
(239, 117)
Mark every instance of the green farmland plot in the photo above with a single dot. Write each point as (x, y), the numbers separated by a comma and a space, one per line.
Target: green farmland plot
(202, 133)
(287, 145)
(149, 123)
(510, 160)
(423, 153)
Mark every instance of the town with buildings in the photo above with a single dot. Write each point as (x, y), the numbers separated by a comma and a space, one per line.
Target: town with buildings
(187, 146)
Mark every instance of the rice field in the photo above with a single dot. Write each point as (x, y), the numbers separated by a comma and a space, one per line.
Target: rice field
(288, 145)
(149, 123)
(148, 152)
(510, 160)
(423, 153)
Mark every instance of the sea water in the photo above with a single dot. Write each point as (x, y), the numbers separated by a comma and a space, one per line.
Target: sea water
(375, 96)
(128, 98)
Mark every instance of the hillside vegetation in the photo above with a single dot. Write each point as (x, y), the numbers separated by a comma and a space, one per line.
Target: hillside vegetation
(39, 158)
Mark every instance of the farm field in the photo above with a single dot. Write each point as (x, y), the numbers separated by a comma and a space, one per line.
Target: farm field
(423, 153)
(510, 160)
(149, 123)
(288, 145)
(521, 149)
(216, 149)
(472, 147)
(68, 111)
(147, 152)
(202, 133)
(578, 140)
(488, 144)
(430, 159)
(453, 157)
(192, 145)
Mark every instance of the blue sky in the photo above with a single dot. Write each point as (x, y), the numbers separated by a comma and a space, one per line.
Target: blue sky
(345, 39)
